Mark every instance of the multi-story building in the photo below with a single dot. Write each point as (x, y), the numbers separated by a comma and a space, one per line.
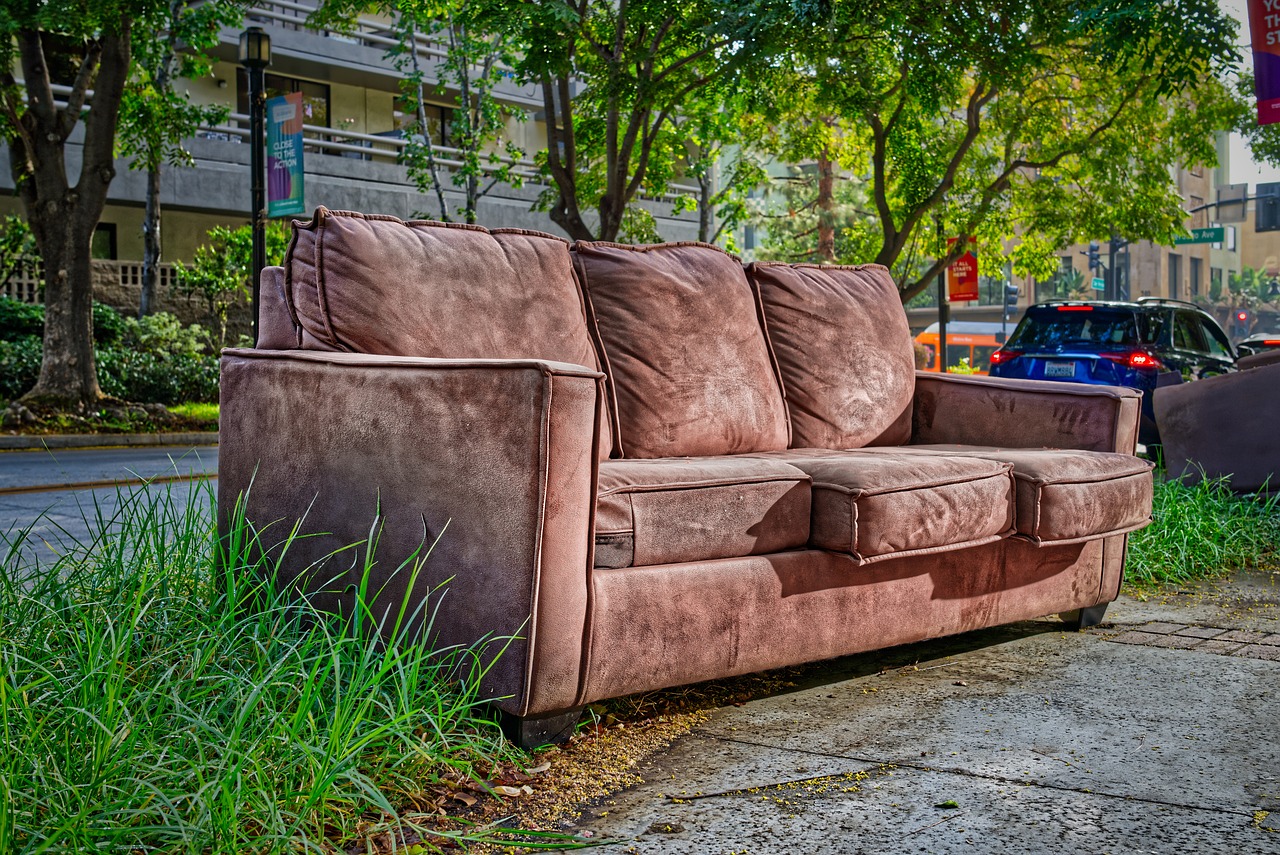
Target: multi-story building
(353, 134)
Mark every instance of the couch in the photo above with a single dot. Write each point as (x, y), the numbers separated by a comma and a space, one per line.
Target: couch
(647, 466)
(1225, 426)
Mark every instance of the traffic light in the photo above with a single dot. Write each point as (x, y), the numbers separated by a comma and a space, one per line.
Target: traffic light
(1093, 255)
(1010, 299)
(1240, 323)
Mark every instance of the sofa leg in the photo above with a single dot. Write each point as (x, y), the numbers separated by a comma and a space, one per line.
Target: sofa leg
(532, 731)
(1085, 618)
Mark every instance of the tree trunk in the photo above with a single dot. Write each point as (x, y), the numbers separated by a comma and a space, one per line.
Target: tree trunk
(705, 212)
(150, 245)
(826, 208)
(68, 373)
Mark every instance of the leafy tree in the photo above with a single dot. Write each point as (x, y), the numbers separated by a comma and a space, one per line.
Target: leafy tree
(220, 273)
(155, 117)
(477, 58)
(717, 142)
(86, 45)
(996, 118)
(613, 73)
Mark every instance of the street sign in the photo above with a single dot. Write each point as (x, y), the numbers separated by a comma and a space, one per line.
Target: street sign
(1214, 234)
(1099, 284)
(962, 274)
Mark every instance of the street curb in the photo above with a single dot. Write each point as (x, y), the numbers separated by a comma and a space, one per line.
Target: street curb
(106, 440)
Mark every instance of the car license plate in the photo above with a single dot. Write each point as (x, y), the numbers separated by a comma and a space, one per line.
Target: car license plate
(1060, 369)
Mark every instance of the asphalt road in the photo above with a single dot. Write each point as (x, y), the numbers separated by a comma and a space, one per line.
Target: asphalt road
(53, 500)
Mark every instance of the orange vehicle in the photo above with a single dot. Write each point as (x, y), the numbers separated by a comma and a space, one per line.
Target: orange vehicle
(971, 340)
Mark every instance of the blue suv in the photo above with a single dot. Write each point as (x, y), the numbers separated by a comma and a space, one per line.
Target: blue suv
(1148, 343)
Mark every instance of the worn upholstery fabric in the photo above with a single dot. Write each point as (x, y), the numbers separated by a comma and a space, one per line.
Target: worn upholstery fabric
(995, 411)
(689, 509)
(339, 440)
(1224, 426)
(680, 338)
(876, 504)
(375, 284)
(277, 328)
(1257, 360)
(843, 352)
(1067, 495)
(674, 624)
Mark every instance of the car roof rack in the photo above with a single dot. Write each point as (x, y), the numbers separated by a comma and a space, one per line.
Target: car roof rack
(1082, 303)
(1171, 301)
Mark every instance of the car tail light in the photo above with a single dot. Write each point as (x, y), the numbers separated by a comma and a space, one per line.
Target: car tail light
(1075, 308)
(1002, 356)
(1135, 359)
(1272, 342)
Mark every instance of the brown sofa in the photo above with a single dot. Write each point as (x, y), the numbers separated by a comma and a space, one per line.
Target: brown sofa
(655, 466)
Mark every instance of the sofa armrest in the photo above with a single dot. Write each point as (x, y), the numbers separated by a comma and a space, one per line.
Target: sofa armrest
(502, 452)
(978, 410)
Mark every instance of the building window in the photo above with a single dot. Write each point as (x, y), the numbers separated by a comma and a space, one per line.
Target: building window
(315, 96)
(1198, 218)
(1195, 277)
(103, 243)
(1215, 283)
(1062, 283)
(1175, 274)
(438, 118)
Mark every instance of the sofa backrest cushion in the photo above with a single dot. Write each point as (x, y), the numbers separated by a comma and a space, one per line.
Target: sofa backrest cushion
(679, 334)
(377, 284)
(843, 351)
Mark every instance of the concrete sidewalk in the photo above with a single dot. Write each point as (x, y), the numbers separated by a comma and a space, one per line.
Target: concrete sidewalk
(1158, 732)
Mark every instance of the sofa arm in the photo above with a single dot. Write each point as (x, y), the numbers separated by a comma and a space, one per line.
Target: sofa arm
(978, 410)
(501, 452)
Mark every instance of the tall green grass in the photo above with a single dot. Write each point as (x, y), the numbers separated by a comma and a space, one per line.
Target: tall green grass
(142, 710)
(1203, 531)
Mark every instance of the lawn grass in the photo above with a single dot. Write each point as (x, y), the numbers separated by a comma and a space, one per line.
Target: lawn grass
(197, 413)
(1203, 531)
(142, 711)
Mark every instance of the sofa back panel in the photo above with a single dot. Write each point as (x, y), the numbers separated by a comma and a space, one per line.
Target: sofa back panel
(679, 333)
(843, 351)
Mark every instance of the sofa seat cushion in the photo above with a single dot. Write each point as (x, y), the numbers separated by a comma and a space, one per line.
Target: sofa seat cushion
(1067, 495)
(877, 503)
(679, 335)
(844, 352)
(691, 509)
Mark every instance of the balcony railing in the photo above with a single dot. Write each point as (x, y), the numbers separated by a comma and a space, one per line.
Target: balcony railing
(26, 283)
(389, 147)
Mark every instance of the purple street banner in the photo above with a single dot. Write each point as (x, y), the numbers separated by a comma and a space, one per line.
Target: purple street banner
(1264, 26)
(284, 155)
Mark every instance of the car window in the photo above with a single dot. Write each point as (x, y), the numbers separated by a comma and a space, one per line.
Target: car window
(1055, 328)
(1215, 340)
(982, 356)
(955, 353)
(1187, 334)
(1152, 326)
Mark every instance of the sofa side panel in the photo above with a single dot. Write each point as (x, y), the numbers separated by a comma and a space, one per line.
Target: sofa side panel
(486, 466)
(991, 411)
(675, 624)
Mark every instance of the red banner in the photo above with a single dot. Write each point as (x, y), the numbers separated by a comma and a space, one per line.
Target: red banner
(962, 274)
(1264, 27)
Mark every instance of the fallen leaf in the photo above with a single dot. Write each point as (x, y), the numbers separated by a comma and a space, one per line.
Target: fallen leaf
(504, 790)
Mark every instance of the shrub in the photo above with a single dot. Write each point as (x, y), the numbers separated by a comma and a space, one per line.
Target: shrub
(157, 378)
(19, 320)
(19, 365)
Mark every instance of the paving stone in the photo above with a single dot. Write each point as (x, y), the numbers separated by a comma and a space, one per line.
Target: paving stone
(1162, 627)
(1177, 642)
(1259, 651)
(1133, 636)
(1217, 645)
(1200, 631)
(1244, 636)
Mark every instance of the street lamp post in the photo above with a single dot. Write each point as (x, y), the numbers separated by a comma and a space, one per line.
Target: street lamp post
(255, 56)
